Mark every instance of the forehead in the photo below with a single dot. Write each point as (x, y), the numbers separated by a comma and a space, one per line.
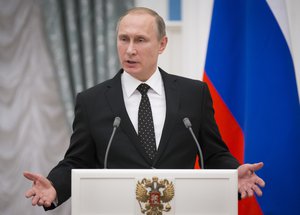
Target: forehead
(137, 23)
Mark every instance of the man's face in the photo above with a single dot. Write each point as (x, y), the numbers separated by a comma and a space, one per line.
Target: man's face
(138, 45)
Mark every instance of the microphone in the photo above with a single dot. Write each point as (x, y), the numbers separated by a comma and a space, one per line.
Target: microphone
(188, 125)
(116, 124)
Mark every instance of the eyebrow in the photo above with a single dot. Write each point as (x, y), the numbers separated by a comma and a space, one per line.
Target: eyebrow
(135, 36)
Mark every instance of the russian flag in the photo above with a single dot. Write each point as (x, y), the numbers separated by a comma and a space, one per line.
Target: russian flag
(249, 69)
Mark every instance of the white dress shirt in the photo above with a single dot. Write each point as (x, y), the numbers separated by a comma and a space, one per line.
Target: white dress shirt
(156, 94)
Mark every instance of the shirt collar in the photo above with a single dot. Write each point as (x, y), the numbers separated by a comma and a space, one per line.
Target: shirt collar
(129, 83)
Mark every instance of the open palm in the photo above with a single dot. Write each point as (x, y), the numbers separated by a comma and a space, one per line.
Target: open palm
(42, 191)
(248, 182)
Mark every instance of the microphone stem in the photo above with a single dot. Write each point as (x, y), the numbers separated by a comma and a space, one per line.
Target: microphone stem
(108, 147)
(199, 148)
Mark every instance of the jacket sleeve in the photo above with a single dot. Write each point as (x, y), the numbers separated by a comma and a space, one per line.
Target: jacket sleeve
(80, 154)
(216, 153)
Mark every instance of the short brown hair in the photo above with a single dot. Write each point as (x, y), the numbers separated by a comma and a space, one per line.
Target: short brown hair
(160, 23)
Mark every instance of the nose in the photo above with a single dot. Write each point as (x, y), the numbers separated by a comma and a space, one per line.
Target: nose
(131, 49)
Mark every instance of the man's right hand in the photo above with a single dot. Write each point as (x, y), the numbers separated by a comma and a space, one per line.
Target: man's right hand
(42, 192)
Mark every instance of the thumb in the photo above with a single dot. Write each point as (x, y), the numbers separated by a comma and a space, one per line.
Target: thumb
(36, 178)
(256, 166)
(30, 176)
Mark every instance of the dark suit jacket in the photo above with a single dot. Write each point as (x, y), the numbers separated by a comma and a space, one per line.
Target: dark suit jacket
(96, 109)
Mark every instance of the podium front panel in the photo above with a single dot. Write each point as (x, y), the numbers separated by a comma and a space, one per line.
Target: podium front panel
(113, 192)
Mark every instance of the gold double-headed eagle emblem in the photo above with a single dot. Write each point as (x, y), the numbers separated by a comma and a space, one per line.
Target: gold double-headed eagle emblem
(154, 196)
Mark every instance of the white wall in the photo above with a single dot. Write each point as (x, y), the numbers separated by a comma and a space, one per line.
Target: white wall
(171, 59)
(160, 6)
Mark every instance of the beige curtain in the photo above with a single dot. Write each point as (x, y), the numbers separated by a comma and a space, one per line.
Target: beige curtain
(34, 131)
(82, 39)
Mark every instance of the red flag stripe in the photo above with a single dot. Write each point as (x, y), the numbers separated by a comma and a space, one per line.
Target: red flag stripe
(233, 136)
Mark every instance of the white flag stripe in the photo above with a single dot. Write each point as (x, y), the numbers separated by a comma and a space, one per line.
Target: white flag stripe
(284, 12)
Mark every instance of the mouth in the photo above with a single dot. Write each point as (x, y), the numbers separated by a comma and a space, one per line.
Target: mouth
(131, 62)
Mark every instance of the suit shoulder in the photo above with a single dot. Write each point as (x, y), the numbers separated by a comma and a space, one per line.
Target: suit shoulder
(97, 90)
(188, 82)
(93, 91)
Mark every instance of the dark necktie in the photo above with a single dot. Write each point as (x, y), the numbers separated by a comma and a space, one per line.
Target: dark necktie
(145, 123)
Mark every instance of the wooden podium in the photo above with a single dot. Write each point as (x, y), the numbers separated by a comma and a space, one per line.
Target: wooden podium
(180, 192)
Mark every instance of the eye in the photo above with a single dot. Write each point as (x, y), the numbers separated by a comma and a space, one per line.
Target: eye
(123, 38)
(141, 39)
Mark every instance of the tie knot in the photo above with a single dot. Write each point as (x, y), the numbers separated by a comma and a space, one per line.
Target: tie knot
(143, 88)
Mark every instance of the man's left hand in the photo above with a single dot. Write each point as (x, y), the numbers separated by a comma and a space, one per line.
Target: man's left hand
(248, 182)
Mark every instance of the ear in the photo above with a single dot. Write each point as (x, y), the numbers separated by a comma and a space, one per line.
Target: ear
(163, 44)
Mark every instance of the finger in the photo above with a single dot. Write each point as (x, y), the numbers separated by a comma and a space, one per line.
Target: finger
(47, 204)
(243, 192)
(35, 200)
(30, 193)
(31, 176)
(44, 201)
(36, 178)
(257, 166)
(250, 192)
(260, 182)
(41, 201)
(257, 190)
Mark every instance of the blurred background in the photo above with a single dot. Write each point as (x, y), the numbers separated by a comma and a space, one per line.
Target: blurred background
(52, 49)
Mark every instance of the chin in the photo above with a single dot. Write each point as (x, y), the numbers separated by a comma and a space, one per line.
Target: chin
(131, 71)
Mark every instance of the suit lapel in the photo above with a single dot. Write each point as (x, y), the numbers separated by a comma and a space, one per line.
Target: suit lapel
(172, 105)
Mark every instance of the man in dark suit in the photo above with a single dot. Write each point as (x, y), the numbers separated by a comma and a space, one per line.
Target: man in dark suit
(141, 38)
